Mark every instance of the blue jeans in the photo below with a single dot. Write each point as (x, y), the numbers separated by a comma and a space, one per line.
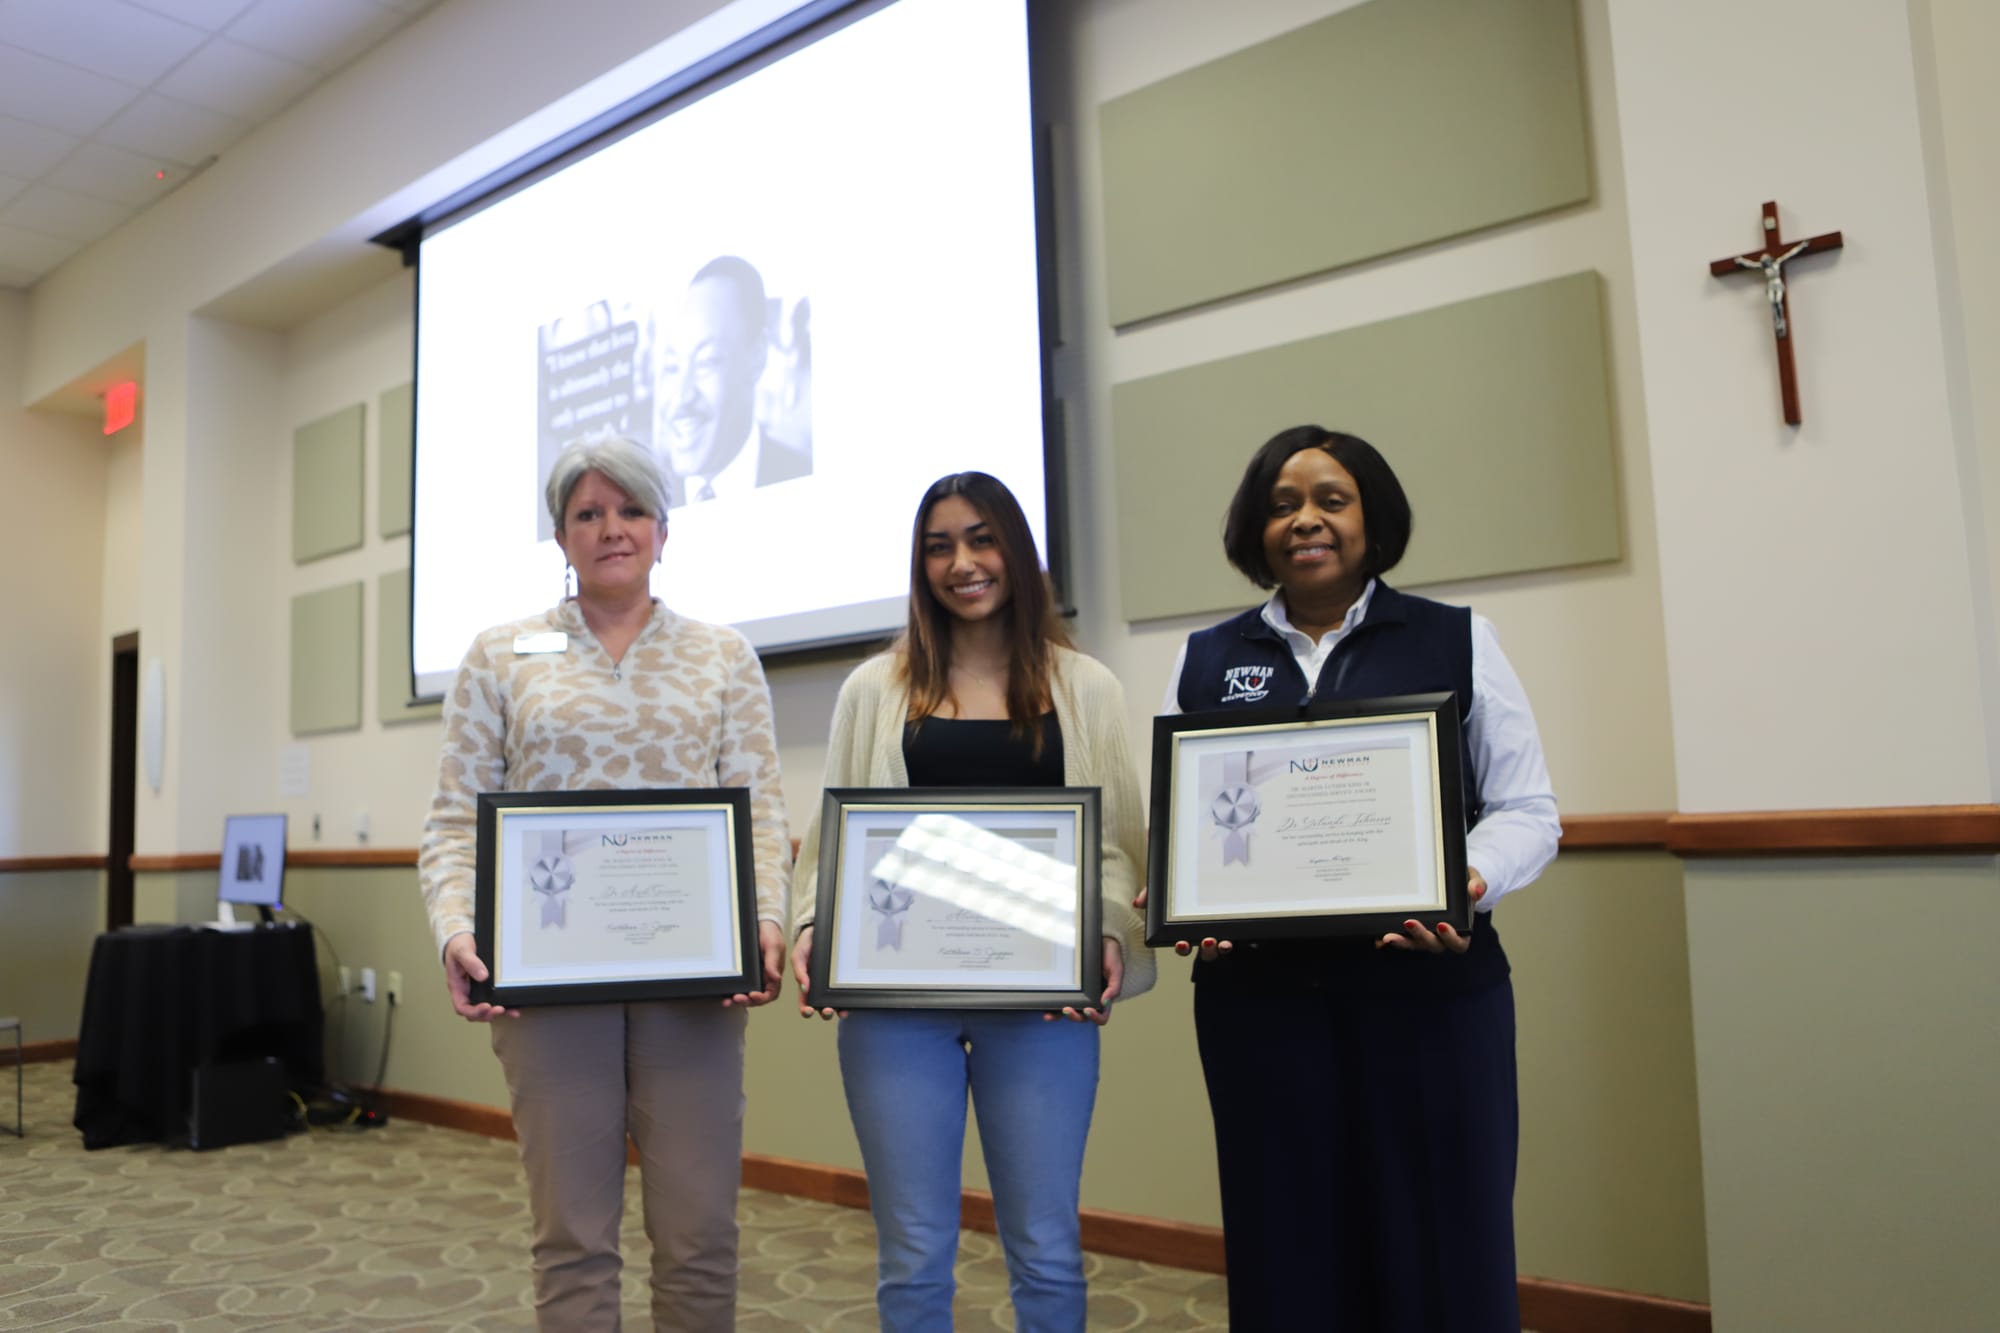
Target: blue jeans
(1033, 1084)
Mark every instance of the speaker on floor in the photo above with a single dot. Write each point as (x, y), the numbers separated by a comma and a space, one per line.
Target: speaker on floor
(243, 1101)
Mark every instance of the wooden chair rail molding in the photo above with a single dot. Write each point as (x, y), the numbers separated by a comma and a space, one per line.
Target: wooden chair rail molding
(26, 865)
(1908, 830)
(331, 858)
(1929, 830)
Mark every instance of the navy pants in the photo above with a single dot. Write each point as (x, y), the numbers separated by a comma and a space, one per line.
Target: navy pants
(1366, 1149)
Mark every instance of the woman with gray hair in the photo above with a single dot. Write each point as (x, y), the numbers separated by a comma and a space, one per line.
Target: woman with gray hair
(612, 689)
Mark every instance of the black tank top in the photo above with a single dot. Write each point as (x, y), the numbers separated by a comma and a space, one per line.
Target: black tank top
(981, 752)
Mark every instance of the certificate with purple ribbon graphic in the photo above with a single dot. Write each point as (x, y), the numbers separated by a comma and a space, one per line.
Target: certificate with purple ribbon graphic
(958, 898)
(1269, 824)
(596, 896)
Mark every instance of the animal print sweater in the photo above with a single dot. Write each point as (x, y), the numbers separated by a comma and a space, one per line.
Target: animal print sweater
(686, 707)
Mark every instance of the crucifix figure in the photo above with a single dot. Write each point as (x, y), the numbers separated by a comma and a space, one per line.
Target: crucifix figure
(1770, 261)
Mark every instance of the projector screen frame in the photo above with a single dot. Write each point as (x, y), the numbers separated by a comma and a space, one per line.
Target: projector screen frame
(794, 31)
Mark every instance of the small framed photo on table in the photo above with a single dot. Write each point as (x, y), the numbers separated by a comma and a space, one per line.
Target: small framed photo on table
(1346, 818)
(958, 898)
(602, 896)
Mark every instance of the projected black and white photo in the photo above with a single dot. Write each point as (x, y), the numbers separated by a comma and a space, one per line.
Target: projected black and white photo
(586, 363)
(714, 374)
(811, 291)
(732, 405)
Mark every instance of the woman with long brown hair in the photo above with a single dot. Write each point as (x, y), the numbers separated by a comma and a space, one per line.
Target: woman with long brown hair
(982, 689)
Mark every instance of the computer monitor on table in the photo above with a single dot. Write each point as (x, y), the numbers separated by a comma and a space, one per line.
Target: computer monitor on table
(253, 866)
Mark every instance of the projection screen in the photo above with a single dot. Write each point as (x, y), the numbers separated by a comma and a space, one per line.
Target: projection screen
(811, 289)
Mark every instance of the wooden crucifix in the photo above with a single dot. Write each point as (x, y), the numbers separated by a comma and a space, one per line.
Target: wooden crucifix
(1770, 262)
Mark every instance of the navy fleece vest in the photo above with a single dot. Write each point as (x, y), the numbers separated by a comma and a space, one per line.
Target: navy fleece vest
(1405, 645)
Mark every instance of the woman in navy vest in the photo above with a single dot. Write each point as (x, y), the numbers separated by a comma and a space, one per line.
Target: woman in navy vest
(1363, 1089)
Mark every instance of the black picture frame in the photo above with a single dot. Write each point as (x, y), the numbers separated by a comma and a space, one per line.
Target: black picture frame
(512, 982)
(1436, 839)
(842, 905)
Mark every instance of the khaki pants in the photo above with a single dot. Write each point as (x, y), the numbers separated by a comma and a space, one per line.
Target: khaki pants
(669, 1073)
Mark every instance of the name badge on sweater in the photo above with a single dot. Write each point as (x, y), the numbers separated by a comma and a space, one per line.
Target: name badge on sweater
(553, 641)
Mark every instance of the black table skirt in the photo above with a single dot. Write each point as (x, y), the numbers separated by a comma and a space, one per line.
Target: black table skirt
(163, 1001)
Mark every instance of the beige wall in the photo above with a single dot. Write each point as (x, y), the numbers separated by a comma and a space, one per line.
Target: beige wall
(1775, 586)
(48, 920)
(54, 671)
(1848, 1084)
(1844, 1104)
(350, 354)
(1610, 1189)
(1960, 104)
(233, 659)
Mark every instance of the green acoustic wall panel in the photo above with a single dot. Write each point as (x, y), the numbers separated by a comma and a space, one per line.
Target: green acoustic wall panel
(326, 485)
(395, 422)
(1495, 413)
(392, 652)
(1389, 125)
(326, 660)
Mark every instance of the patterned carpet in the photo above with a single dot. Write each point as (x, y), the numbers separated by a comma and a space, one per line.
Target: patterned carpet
(409, 1228)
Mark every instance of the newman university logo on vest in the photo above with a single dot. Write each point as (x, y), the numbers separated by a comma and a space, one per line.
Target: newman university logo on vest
(1245, 684)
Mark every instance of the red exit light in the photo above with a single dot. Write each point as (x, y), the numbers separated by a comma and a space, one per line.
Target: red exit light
(121, 405)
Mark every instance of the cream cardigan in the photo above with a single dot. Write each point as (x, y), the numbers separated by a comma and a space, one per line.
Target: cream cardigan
(866, 750)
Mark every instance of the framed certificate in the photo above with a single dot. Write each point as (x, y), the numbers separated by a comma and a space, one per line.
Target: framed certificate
(958, 898)
(596, 896)
(1348, 819)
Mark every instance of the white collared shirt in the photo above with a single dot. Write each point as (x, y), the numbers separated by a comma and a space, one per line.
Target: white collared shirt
(1518, 828)
(737, 477)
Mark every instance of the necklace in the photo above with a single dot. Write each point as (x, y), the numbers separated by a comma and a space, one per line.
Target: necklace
(975, 677)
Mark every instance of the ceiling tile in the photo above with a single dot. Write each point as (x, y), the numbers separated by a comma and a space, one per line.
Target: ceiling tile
(156, 126)
(11, 186)
(59, 213)
(120, 42)
(238, 80)
(31, 250)
(61, 97)
(104, 172)
(325, 34)
(30, 150)
(209, 15)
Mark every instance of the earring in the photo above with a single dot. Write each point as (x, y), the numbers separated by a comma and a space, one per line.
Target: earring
(569, 583)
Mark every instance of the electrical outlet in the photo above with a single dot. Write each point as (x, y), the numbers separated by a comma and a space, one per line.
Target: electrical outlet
(368, 984)
(346, 980)
(394, 983)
